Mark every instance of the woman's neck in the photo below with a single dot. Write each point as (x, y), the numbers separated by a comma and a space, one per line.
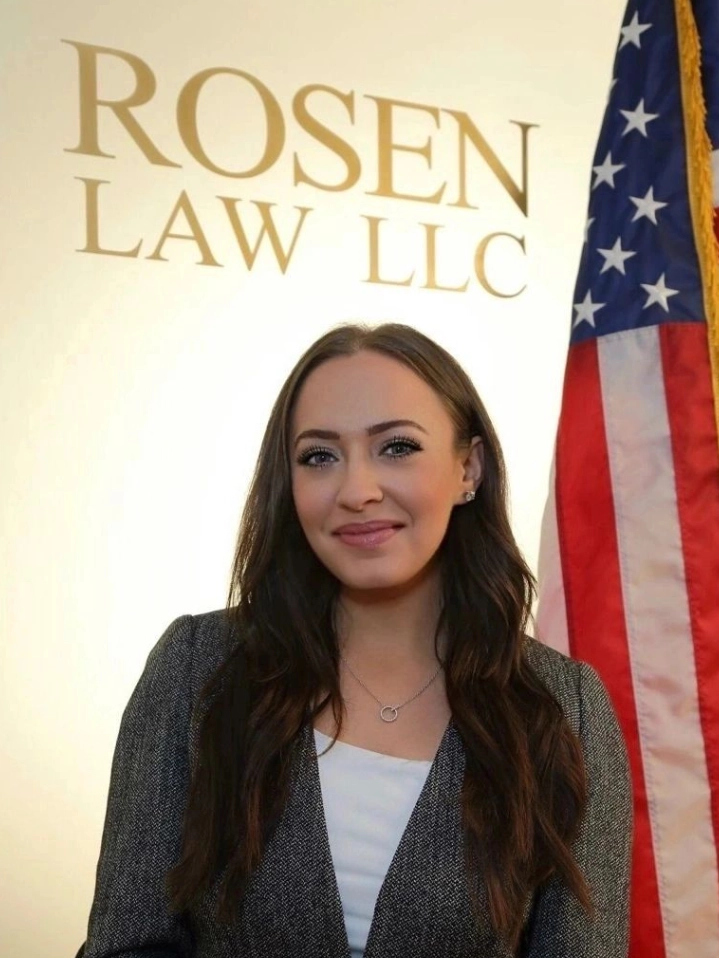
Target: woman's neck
(387, 631)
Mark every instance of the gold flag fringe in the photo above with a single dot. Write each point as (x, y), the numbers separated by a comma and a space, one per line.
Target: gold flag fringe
(699, 174)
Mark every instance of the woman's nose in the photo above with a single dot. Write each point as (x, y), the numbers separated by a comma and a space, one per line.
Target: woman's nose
(359, 483)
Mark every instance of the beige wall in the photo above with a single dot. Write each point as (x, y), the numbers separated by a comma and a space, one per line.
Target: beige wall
(134, 391)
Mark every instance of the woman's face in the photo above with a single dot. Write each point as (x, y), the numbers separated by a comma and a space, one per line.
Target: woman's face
(405, 473)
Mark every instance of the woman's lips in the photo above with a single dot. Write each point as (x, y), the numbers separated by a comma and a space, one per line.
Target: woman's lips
(368, 540)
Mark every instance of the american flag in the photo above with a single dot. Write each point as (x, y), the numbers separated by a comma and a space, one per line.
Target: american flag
(629, 556)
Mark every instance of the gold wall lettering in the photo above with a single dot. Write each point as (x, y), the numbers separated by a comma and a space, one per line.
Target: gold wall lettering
(268, 233)
(430, 261)
(187, 122)
(326, 137)
(91, 101)
(453, 187)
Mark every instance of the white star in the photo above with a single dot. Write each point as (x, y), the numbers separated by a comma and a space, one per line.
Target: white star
(586, 228)
(637, 119)
(632, 31)
(586, 310)
(659, 292)
(615, 257)
(605, 172)
(646, 206)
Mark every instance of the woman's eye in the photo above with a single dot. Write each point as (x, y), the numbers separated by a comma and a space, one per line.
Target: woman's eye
(305, 458)
(406, 447)
(402, 447)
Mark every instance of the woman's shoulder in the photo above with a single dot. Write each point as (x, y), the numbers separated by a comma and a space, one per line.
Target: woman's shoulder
(193, 645)
(215, 632)
(215, 637)
(575, 684)
(548, 662)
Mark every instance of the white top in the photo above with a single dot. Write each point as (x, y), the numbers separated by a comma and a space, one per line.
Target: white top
(368, 799)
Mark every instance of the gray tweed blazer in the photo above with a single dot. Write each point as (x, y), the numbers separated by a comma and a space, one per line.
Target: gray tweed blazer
(293, 908)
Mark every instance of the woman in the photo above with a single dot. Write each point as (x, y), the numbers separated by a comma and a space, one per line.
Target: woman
(364, 754)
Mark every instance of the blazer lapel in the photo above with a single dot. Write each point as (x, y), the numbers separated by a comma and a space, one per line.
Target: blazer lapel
(292, 905)
(423, 905)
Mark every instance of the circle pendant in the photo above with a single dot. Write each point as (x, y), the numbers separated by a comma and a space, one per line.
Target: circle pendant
(388, 713)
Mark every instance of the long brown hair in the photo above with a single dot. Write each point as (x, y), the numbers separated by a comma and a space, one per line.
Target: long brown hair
(524, 789)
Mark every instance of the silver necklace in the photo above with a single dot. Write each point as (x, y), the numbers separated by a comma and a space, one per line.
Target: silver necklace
(389, 713)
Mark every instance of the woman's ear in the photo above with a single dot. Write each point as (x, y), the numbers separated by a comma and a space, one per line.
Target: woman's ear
(473, 465)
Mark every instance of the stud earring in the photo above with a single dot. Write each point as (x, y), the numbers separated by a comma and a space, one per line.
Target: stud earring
(469, 496)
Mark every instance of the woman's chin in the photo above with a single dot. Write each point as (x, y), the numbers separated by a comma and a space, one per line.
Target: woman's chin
(381, 584)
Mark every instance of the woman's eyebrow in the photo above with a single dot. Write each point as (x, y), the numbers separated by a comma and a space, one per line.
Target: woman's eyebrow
(371, 430)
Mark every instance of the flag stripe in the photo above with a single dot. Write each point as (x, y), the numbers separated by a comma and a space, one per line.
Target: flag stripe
(594, 603)
(687, 372)
(663, 673)
(551, 625)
